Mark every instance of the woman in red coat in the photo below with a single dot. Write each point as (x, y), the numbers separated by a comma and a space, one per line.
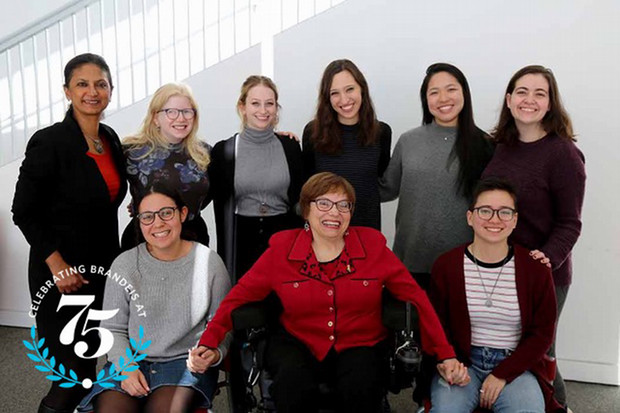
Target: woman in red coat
(329, 278)
(497, 305)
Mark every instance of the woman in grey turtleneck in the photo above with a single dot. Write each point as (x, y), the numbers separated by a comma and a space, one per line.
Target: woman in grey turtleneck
(256, 178)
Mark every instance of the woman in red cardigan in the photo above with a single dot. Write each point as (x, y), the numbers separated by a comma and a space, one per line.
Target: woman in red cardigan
(329, 278)
(497, 305)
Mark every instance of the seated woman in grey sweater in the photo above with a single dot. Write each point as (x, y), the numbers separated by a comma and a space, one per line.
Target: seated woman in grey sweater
(163, 290)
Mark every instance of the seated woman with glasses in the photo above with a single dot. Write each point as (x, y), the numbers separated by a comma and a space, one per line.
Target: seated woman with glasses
(329, 278)
(497, 305)
(173, 286)
(167, 150)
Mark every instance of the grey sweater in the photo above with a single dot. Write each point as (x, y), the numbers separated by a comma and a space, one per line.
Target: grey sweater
(172, 300)
(431, 215)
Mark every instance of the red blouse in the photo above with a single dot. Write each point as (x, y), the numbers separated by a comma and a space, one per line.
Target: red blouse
(105, 163)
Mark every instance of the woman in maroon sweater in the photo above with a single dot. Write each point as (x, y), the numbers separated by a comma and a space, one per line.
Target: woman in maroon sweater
(536, 153)
(498, 309)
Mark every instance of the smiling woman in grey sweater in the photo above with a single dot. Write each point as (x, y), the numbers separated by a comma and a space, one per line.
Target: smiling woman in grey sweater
(433, 170)
(169, 288)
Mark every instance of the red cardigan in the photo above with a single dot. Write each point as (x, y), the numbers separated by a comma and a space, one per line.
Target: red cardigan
(537, 306)
(343, 311)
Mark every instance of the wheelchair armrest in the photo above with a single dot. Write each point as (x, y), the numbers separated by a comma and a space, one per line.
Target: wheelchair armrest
(250, 315)
(257, 314)
(394, 313)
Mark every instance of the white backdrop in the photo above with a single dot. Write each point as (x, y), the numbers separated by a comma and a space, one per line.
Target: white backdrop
(393, 41)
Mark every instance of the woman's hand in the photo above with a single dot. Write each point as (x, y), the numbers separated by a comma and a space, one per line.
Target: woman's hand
(130, 209)
(201, 358)
(291, 135)
(135, 384)
(540, 256)
(67, 283)
(454, 372)
(490, 390)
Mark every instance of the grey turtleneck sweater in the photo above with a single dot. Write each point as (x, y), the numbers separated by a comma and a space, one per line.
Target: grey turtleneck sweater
(172, 300)
(261, 174)
(431, 215)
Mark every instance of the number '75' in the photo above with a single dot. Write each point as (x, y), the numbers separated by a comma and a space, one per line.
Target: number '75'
(67, 335)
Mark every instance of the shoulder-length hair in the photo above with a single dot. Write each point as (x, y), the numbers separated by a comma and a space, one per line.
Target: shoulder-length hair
(472, 147)
(556, 120)
(326, 134)
(150, 136)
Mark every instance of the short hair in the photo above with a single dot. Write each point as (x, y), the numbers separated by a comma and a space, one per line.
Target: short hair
(555, 121)
(249, 83)
(326, 134)
(493, 183)
(320, 184)
(83, 59)
(149, 136)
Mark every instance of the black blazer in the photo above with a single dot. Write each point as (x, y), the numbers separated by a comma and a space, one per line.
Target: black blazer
(222, 178)
(62, 201)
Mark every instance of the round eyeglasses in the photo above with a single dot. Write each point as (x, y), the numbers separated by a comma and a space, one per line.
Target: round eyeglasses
(486, 213)
(173, 113)
(148, 217)
(324, 205)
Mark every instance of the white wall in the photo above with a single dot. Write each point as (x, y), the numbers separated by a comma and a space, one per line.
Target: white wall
(393, 41)
(17, 14)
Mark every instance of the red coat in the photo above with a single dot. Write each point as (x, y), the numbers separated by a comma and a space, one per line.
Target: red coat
(536, 296)
(344, 311)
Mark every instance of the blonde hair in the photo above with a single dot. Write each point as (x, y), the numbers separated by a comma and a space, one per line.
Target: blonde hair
(150, 136)
(250, 82)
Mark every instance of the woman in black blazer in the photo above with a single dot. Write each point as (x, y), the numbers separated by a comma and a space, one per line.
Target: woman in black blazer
(66, 201)
(256, 178)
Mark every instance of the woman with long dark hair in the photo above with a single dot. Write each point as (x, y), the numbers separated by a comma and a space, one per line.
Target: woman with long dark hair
(346, 138)
(433, 171)
(537, 153)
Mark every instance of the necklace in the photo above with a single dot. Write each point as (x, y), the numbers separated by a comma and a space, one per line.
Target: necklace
(489, 301)
(97, 142)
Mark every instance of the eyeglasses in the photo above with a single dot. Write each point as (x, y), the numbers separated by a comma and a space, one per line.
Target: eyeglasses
(486, 213)
(173, 113)
(148, 217)
(324, 204)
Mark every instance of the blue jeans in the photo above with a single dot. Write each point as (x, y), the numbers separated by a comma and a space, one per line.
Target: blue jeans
(522, 395)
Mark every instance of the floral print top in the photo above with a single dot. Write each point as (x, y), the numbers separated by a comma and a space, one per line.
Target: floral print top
(171, 167)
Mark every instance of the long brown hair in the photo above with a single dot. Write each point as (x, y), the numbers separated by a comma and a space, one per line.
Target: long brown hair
(326, 134)
(556, 120)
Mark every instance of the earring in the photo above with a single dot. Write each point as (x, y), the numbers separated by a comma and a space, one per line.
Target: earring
(307, 226)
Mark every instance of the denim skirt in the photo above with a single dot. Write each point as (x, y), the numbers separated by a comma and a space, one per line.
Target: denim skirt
(158, 374)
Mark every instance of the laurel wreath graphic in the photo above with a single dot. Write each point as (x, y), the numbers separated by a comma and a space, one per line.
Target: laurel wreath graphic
(69, 379)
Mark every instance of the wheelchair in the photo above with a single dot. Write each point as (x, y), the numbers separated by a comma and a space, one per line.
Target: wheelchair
(249, 382)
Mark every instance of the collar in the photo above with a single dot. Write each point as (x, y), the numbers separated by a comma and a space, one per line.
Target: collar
(302, 251)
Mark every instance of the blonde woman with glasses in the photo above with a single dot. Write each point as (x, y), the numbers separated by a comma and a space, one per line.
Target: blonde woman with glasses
(166, 150)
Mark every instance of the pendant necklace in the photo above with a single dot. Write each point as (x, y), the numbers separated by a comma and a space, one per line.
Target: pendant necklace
(489, 301)
(97, 142)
